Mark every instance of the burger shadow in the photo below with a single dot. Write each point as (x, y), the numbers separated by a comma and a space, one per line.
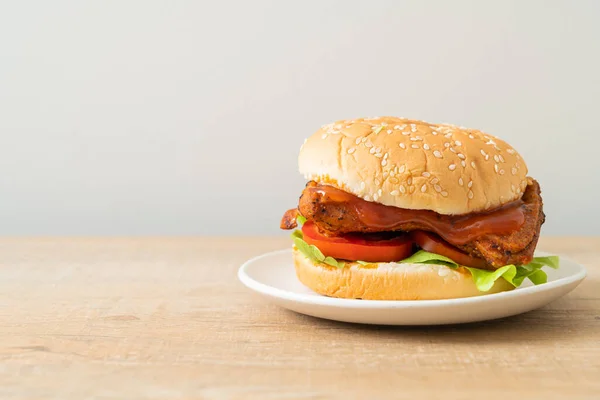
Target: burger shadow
(528, 326)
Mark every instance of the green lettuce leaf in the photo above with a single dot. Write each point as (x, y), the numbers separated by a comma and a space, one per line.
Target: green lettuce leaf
(425, 257)
(314, 254)
(300, 220)
(484, 279)
(549, 261)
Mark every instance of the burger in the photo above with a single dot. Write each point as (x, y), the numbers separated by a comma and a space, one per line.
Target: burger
(399, 209)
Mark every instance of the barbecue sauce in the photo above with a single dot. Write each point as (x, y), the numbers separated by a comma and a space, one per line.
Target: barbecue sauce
(455, 229)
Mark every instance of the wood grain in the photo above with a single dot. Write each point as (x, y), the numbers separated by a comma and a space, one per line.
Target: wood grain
(158, 318)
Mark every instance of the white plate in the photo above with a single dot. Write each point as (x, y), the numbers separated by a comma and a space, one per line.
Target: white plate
(273, 276)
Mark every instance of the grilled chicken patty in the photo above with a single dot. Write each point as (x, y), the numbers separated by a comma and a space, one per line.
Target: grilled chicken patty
(337, 218)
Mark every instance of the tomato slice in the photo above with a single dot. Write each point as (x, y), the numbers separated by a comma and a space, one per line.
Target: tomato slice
(435, 244)
(370, 248)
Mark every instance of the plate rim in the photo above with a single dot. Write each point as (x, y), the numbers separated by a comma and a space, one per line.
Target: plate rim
(317, 299)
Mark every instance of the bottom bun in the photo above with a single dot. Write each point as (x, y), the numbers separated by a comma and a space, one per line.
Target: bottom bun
(390, 281)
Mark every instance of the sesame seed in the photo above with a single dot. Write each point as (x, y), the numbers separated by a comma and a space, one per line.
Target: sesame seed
(426, 146)
(411, 189)
(463, 163)
(470, 184)
(437, 154)
(471, 136)
(377, 182)
(406, 133)
(426, 174)
(501, 158)
(452, 167)
(470, 194)
(397, 127)
(415, 146)
(510, 151)
(446, 144)
(413, 139)
(385, 174)
(402, 146)
(452, 150)
(383, 163)
(473, 164)
(437, 188)
(392, 173)
(367, 197)
(409, 181)
(402, 189)
(394, 193)
(496, 168)
(460, 181)
(363, 139)
(461, 156)
(496, 158)
(379, 192)
(513, 171)
(372, 151)
(386, 155)
(389, 131)
(357, 141)
(483, 152)
(401, 169)
(435, 180)
(445, 194)
(378, 155)
(501, 172)
(375, 197)
(324, 136)
(362, 185)
(457, 143)
(351, 150)
(423, 188)
(487, 157)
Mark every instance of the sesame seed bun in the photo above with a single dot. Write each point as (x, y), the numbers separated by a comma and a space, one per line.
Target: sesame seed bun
(415, 165)
(389, 281)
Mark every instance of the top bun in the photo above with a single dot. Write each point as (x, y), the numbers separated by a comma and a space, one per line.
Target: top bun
(415, 165)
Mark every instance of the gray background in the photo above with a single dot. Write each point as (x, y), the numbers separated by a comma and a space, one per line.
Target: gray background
(148, 117)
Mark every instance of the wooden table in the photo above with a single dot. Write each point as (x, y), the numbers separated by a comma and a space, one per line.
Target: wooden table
(166, 318)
